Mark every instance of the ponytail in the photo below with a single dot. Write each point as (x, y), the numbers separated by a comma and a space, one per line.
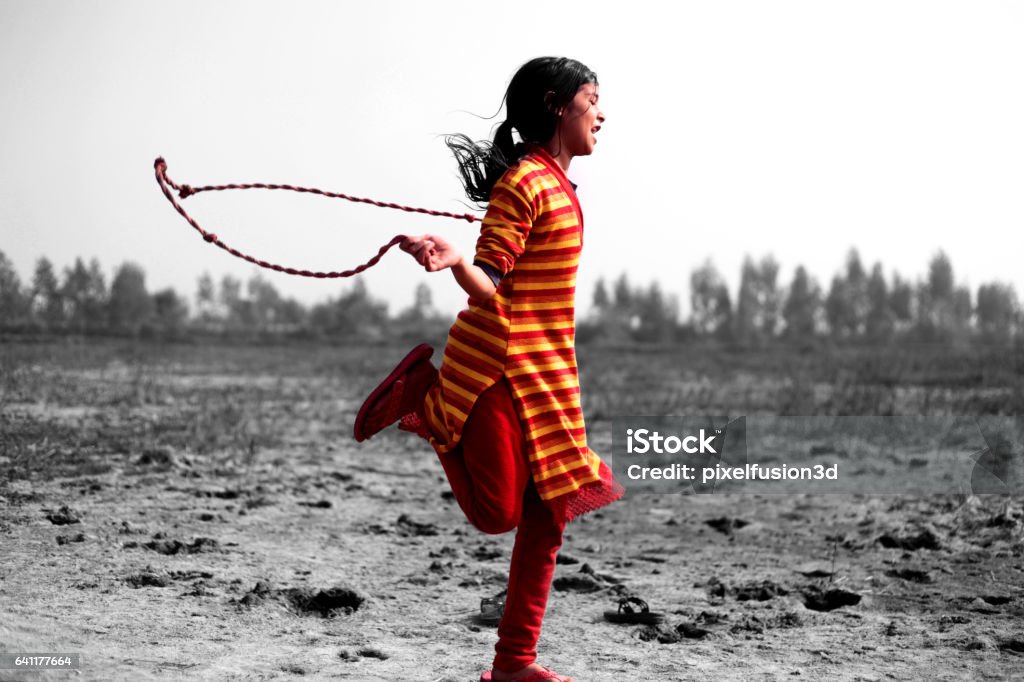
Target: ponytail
(482, 163)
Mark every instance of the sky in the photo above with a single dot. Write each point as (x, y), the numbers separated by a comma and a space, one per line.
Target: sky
(797, 129)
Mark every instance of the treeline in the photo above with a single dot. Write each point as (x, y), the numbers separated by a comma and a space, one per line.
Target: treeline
(858, 307)
(80, 301)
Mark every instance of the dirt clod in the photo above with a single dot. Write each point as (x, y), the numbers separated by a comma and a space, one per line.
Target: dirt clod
(148, 579)
(325, 603)
(762, 591)
(911, 575)
(171, 547)
(577, 582)
(726, 524)
(924, 539)
(831, 599)
(63, 517)
(408, 526)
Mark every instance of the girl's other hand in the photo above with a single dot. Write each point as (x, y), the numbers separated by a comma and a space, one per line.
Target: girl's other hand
(434, 253)
(431, 251)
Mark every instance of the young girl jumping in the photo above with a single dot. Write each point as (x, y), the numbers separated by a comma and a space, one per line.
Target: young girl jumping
(503, 413)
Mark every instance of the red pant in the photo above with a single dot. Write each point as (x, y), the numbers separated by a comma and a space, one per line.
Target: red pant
(490, 476)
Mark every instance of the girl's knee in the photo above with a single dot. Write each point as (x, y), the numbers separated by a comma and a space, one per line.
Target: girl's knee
(495, 521)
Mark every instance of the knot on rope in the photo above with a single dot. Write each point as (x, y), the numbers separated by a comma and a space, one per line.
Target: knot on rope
(160, 164)
(185, 191)
(210, 237)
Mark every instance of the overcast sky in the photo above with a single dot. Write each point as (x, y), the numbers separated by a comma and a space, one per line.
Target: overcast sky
(799, 129)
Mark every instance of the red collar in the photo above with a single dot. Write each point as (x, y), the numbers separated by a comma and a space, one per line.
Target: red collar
(545, 157)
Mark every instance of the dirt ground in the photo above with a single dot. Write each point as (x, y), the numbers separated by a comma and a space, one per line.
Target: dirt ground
(205, 514)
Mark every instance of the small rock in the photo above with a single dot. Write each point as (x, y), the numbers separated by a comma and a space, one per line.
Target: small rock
(924, 539)
(726, 524)
(319, 504)
(762, 591)
(828, 600)
(660, 633)
(148, 579)
(408, 526)
(911, 575)
(577, 582)
(63, 517)
(691, 631)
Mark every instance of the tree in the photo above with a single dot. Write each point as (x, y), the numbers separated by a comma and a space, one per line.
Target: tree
(710, 305)
(422, 307)
(47, 303)
(129, 307)
(84, 291)
(265, 302)
(237, 310)
(206, 298)
(623, 294)
(880, 317)
(997, 310)
(354, 313)
(963, 314)
(601, 298)
(758, 308)
(901, 303)
(857, 291)
(848, 300)
(802, 307)
(14, 303)
(937, 310)
(170, 312)
(657, 316)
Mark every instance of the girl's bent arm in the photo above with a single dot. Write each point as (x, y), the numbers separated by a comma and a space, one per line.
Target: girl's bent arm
(473, 280)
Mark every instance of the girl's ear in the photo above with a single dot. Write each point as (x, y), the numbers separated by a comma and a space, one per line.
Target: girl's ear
(547, 102)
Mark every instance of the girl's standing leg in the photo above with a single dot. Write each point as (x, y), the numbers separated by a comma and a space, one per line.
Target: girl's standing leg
(494, 488)
(529, 579)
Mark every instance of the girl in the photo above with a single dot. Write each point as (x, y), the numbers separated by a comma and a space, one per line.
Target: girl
(503, 413)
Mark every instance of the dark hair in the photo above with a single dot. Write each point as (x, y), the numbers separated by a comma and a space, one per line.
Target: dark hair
(530, 110)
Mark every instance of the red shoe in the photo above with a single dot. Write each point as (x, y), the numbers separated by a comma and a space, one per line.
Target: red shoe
(398, 395)
(539, 676)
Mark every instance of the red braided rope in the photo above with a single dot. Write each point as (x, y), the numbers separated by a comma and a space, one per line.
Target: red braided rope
(185, 191)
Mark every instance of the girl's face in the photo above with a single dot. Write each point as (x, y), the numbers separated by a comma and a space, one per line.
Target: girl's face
(580, 121)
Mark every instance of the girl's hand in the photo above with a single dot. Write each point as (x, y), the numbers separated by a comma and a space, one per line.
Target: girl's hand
(432, 252)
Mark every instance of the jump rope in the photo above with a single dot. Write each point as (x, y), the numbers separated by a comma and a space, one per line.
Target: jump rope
(184, 191)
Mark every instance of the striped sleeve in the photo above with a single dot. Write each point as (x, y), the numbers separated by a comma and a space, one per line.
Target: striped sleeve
(510, 214)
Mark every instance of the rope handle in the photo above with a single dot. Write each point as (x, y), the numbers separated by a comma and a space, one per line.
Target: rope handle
(184, 191)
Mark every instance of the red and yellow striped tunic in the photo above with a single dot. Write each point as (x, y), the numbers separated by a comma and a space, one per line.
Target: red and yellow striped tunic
(532, 233)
